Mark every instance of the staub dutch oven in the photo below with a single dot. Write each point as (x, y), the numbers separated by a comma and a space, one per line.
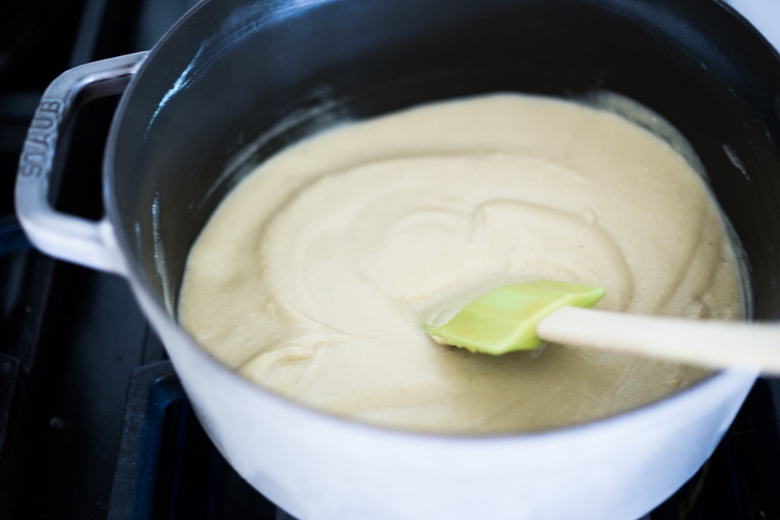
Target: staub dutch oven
(236, 80)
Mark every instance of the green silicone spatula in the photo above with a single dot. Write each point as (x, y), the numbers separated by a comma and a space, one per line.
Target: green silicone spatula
(505, 319)
(523, 316)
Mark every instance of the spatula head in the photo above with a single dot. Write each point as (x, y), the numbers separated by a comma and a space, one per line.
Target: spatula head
(505, 319)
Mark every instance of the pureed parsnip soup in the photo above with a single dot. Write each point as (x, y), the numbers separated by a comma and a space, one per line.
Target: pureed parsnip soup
(313, 277)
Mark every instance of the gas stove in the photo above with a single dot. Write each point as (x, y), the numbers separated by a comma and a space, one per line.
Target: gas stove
(93, 421)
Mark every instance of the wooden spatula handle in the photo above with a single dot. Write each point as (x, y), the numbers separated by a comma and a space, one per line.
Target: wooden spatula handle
(713, 344)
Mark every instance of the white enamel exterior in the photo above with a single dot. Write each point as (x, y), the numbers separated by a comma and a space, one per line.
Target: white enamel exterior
(319, 467)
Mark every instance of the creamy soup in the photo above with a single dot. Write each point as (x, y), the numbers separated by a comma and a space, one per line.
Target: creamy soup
(313, 278)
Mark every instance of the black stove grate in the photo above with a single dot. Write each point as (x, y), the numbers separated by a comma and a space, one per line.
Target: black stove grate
(93, 421)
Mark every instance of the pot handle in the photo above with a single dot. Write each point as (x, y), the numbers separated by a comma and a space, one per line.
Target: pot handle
(60, 235)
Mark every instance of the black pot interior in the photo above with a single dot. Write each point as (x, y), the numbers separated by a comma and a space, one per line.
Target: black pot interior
(244, 79)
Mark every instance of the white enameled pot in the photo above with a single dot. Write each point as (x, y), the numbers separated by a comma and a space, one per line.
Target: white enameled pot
(236, 80)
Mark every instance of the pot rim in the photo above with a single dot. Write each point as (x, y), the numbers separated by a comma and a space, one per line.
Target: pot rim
(720, 383)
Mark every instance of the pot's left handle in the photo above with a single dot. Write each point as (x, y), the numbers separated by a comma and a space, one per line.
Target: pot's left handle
(58, 234)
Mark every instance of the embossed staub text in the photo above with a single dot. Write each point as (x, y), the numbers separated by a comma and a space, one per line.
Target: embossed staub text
(39, 147)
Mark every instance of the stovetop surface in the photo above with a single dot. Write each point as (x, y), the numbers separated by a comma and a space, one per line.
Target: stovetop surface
(93, 421)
